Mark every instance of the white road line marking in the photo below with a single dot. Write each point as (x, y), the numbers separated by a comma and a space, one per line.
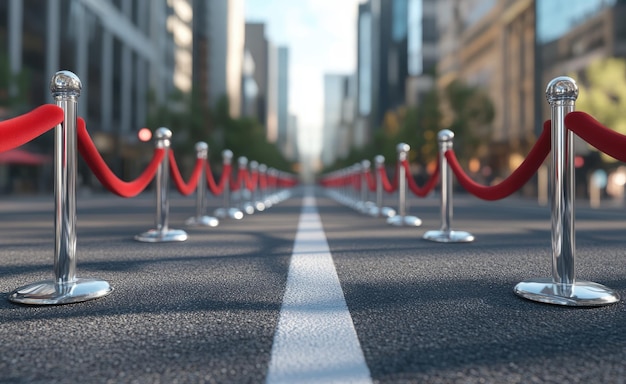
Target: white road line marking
(315, 341)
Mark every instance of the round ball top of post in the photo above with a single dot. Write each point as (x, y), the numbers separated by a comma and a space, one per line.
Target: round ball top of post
(445, 135)
(65, 84)
(561, 88)
(365, 164)
(254, 164)
(379, 160)
(403, 147)
(262, 168)
(243, 161)
(227, 155)
(403, 150)
(162, 134)
(202, 149)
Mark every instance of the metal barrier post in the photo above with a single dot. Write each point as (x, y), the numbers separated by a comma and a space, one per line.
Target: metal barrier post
(66, 288)
(378, 210)
(445, 234)
(256, 193)
(244, 193)
(162, 233)
(401, 218)
(201, 219)
(364, 204)
(227, 210)
(563, 288)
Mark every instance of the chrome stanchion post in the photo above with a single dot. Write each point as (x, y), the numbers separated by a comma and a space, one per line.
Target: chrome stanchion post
(563, 288)
(244, 192)
(401, 218)
(365, 205)
(378, 210)
(227, 210)
(162, 233)
(256, 193)
(66, 288)
(446, 234)
(201, 219)
(265, 198)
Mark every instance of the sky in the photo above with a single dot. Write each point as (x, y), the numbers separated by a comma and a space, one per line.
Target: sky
(321, 36)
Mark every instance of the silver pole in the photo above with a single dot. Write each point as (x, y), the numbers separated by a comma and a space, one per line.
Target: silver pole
(200, 219)
(227, 210)
(401, 218)
(65, 87)
(244, 192)
(446, 234)
(563, 289)
(364, 204)
(162, 233)
(379, 210)
(256, 193)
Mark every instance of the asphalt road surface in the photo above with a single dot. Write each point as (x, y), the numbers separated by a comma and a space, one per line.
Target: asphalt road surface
(310, 291)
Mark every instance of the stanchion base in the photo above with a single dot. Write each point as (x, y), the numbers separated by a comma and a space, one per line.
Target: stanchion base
(202, 221)
(409, 221)
(248, 208)
(259, 206)
(449, 236)
(50, 293)
(579, 294)
(383, 212)
(232, 213)
(160, 236)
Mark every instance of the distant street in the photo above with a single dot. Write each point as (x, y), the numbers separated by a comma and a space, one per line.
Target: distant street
(222, 306)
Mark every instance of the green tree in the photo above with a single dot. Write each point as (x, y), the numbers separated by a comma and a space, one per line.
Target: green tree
(191, 122)
(602, 94)
(472, 114)
(13, 88)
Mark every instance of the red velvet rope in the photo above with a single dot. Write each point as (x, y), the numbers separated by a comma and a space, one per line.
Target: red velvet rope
(242, 175)
(252, 180)
(288, 182)
(430, 184)
(185, 189)
(387, 185)
(92, 157)
(519, 177)
(371, 181)
(20, 130)
(596, 134)
(263, 181)
(217, 189)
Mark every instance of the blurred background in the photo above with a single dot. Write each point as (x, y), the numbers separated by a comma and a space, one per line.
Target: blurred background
(313, 85)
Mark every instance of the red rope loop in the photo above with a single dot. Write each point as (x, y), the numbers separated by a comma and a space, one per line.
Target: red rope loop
(519, 177)
(371, 181)
(92, 157)
(242, 175)
(252, 180)
(20, 130)
(217, 189)
(287, 181)
(596, 134)
(430, 184)
(185, 189)
(387, 185)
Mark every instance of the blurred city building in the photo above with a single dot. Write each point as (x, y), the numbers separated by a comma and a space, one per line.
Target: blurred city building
(382, 61)
(220, 34)
(339, 115)
(490, 44)
(512, 49)
(256, 87)
(120, 49)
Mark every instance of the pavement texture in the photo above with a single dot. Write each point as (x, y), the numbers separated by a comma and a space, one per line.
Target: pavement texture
(205, 310)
